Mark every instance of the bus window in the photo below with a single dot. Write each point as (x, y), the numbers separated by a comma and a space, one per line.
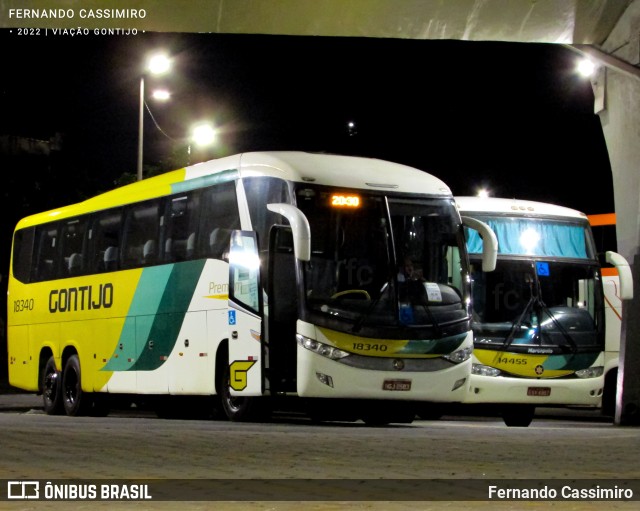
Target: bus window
(45, 267)
(259, 193)
(180, 227)
(104, 240)
(72, 238)
(23, 252)
(140, 238)
(219, 217)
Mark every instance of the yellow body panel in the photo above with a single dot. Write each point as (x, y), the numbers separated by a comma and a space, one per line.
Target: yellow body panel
(87, 313)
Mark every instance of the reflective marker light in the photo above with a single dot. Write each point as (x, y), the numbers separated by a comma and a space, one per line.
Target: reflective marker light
(325, 379)
(458, 383)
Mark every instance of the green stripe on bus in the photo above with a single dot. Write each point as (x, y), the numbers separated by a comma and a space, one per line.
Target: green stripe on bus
(570, 362)
(433, 346)
(155, 317)
(204, 181)
(166, 325)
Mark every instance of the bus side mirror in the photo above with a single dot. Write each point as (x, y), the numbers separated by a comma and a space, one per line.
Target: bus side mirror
(624, 273)
(299, 227)
(489, 242)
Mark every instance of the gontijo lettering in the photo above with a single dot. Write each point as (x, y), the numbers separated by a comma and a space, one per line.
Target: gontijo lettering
(81, 298)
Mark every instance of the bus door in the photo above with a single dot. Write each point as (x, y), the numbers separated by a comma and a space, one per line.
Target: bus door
(245, 312)
(282, 291)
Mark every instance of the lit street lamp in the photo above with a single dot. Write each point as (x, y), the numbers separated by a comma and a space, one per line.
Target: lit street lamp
(157, 64)
(586, 68)
(202, 135)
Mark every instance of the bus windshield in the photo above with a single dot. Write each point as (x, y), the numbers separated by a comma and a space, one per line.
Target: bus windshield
(383, 261)
(545, 291)
(535, 237)
(525, 305)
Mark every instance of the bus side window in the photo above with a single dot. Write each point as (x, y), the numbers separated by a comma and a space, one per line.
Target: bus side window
(219, 243)
(104, 241)
(72, 240)
(140, 238)
(46, 260)
(23, 253)
(180, 227)
(219, 217)
(261, 191)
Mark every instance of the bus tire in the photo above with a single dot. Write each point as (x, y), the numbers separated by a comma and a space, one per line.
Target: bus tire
(518, 416)
(240, 409)
(76, 402)
(52, 389)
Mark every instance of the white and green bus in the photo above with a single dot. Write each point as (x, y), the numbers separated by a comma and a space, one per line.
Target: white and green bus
(246, 279)
(539, 318)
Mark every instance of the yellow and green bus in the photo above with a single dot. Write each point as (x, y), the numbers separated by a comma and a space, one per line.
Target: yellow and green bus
(541, 319)
(245, 279)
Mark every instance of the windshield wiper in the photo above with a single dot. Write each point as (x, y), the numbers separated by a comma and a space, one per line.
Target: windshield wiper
(534, 301)
(365, 315)
(518, 322)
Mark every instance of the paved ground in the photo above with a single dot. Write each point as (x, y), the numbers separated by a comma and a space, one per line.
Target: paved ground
(483, 445)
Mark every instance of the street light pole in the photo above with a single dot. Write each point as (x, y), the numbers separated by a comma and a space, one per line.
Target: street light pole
(157, 64)
(141, 129)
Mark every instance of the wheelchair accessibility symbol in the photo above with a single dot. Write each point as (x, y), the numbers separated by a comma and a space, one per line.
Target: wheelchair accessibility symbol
(542, 269)
(232, 317)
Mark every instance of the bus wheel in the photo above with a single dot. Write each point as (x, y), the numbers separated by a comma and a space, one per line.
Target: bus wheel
(76, 402)
(52, 389)
(241, 409)
(518, 416)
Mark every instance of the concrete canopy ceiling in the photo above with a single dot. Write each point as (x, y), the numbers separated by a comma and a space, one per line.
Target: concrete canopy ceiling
(549, 21)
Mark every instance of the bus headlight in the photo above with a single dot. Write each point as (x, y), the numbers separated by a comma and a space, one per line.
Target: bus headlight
(482, 370)
(590, 372)
(321, 349)
(459, 356)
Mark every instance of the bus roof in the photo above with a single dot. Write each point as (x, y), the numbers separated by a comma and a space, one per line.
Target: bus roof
(324, 169)
(514, 207)
(327, 169)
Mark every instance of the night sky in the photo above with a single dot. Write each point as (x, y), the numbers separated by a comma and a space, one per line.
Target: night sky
(510, 116)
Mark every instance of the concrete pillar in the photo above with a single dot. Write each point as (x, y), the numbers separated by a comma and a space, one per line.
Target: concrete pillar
(620, 117)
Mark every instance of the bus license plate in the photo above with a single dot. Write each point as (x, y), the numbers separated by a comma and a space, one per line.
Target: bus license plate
(396, 385)
(539, 391)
